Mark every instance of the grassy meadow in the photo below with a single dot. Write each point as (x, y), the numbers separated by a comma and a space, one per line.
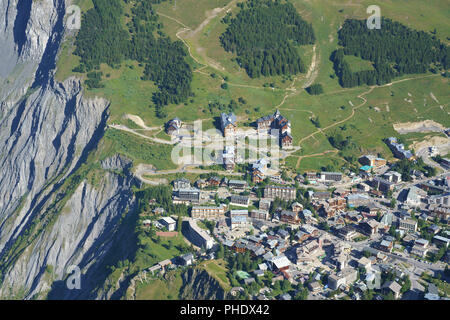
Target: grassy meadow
(339, 110)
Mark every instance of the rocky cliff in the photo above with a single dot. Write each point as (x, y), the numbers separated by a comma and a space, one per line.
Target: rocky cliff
(199, 285)
(51, 216)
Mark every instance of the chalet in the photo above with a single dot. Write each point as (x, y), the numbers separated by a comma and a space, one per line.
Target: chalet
(286, 140)
(147, 223)
(301, 236)
(354, 216)
(441, 212)
(259, 170)
(341, 192)
(201, 183)
(228, 124)
(310, 230)
(308, 216)
(289, 217)
(441, 199)
(256, 250)
(370, 210)
(239, 247)
(264, 124)
(259, 273)
(376, 193)
(276, 124)
(275, 121)
(235, 290)
(420, 247)
(214, 181)
(434, 229)
(337, 204)
(173, 126)
(296, 207)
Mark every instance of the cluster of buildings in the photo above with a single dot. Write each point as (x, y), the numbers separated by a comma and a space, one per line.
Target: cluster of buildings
(276, 124)
(360, 212)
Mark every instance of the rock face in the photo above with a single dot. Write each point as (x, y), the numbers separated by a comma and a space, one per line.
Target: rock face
(47, 130)
(199, 285)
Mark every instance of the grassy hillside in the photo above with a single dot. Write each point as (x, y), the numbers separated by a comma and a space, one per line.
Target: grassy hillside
(198, 24)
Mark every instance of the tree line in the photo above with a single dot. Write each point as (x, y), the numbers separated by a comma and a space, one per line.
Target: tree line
(103, 39)
(395, 50)
(265, 35)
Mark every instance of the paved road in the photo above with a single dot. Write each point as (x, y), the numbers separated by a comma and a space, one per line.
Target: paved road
(424, 153)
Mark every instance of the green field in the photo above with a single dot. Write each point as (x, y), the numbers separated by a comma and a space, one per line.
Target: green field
(358, 64)
(339, 110)
(218, 270)
(137, 149)
(160, 289)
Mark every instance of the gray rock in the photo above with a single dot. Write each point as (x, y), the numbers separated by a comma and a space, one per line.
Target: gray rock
(46, 131)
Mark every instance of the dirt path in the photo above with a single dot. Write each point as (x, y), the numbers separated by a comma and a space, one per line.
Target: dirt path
(189, 34)
(361, 96)
(313, 71)
(173, 19)
(138, 120)
(133, 131)
(313, 155)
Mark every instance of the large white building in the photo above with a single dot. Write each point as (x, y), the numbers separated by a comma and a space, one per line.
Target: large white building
(168, 222)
